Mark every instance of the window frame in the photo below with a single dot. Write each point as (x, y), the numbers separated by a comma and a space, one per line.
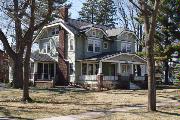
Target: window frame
(71, 45)
(55, 31)
(106, 44)
(94, 42)
(127, 48)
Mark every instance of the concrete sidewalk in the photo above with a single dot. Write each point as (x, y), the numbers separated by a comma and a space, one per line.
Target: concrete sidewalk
(96, 114)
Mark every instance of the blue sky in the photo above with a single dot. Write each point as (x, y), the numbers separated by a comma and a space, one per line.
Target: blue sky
(76, 6)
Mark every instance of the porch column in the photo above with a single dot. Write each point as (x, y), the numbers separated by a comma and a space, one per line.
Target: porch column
(100, 77)
(132, 68)
(119, 71)
(54, 71)
(100, 68)
(35, 71)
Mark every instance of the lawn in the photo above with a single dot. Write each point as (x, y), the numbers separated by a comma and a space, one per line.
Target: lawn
(67, 101)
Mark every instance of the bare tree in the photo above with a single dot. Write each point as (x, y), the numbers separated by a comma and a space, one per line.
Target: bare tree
(149, 11)
(26, 22)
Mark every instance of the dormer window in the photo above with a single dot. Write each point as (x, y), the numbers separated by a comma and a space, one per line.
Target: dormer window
(55, 31)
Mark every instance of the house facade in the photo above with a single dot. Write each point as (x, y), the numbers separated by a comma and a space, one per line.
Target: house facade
(76, 52)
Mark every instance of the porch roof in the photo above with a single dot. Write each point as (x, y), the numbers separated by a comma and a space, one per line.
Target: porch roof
(117, 57)
(41, 57)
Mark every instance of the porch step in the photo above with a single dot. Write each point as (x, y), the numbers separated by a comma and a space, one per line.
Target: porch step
(134, 86)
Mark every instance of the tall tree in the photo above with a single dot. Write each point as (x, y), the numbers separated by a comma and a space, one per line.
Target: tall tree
(107, 13)
(149, 10)
(168, 22)
(99, 11)
(89, 11)
(27, 17)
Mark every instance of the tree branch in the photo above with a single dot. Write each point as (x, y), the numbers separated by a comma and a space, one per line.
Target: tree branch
(6, 45)
(45, 21)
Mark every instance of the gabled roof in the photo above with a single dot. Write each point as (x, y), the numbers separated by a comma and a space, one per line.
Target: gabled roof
(41, 57)
(117, 56)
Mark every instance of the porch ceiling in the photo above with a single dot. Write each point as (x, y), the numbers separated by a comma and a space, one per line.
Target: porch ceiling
(116, 57)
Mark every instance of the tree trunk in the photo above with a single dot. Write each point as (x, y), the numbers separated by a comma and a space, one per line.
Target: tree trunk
(26, 97)
(166, 65)
(17, 73)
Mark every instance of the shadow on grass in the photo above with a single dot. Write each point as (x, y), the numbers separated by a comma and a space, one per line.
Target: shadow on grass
(64, 89)
(8, 115)
(169, 113)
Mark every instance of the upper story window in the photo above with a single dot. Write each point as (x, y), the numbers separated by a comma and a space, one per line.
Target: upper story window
(94, 46)
(46, 48)
(90, 45)
(55, 31)
(105, 45)
(71, 44)
(94, 33)
(126, 46)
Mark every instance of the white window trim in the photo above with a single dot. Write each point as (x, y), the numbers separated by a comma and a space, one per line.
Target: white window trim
(107, 45)
(94, 46)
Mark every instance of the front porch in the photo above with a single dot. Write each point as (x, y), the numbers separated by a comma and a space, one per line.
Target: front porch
(114, 73)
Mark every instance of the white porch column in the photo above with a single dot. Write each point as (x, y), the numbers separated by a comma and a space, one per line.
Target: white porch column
(119, 68)
(35, 67)
(132, 68)
(100, 68)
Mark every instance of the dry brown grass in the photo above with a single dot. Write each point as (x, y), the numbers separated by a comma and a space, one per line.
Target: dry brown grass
(60, 101)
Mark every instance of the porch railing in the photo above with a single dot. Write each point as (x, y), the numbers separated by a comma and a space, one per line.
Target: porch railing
(110, 77)
(88, 77)
(43, 76)
(139, 78)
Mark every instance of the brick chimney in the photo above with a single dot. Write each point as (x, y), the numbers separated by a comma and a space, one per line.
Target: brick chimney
(64, 13)
(62, 64)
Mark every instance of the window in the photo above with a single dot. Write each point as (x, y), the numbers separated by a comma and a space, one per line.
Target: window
(96, 68)
(94, 46)
(90, 45)
(97, 46)
(128, 47)
(71, 68)
(90, 69)
(55, 31)
(124, 69)
(46, 47)
(125, 46)
(71, 44)
(84, 68)
(105, 45)
(94, 33)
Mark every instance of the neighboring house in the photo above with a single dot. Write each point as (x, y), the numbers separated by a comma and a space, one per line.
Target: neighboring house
(3, 66)
(77, 52)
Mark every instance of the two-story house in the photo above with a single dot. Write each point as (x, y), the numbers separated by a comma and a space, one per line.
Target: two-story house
(73, 51)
